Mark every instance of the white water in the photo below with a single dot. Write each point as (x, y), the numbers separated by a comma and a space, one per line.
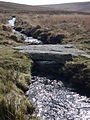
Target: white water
(54, 101)
(32, 40)
(12, 22)
(29, 40)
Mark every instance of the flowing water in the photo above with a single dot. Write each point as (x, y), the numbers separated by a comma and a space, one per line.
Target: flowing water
(12, 22)
(54, 101)
(29, 40)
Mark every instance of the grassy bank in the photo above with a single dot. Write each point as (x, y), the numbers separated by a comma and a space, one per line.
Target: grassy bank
(15, 76)
(77, 74)
(15, 71)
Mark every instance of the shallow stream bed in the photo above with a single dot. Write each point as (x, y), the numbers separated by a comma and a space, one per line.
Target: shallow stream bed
(54, 101)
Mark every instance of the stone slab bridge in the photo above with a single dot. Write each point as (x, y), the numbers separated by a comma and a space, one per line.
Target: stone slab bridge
(56, 53)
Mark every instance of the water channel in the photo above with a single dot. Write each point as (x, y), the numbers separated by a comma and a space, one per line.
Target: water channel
(55, 101)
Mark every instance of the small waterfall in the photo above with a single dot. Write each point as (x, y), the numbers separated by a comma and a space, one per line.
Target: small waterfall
(12, 22)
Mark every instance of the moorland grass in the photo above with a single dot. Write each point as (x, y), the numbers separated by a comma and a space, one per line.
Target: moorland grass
(15, 70)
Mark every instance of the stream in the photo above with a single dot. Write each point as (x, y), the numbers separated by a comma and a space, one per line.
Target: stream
(28, 40)
(55, 101)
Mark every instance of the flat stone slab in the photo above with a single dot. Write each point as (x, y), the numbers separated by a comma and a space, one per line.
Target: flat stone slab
(58, 53)
(2, 46)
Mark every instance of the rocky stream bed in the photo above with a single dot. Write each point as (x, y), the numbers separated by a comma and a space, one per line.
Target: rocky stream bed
(54, 101)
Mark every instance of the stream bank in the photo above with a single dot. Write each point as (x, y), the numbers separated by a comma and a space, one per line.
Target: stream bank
(74, 74)
(41, 34)
(15, 74)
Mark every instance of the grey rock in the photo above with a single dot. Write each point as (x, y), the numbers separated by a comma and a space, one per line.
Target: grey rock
(58, 53)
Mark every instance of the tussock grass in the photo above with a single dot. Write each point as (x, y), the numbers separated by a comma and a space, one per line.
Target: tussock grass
(7, 37)
(15, 68)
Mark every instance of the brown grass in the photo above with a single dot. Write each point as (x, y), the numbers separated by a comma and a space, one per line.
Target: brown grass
(76, 27)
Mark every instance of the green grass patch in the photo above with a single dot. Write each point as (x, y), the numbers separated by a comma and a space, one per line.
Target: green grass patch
(15, 71)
